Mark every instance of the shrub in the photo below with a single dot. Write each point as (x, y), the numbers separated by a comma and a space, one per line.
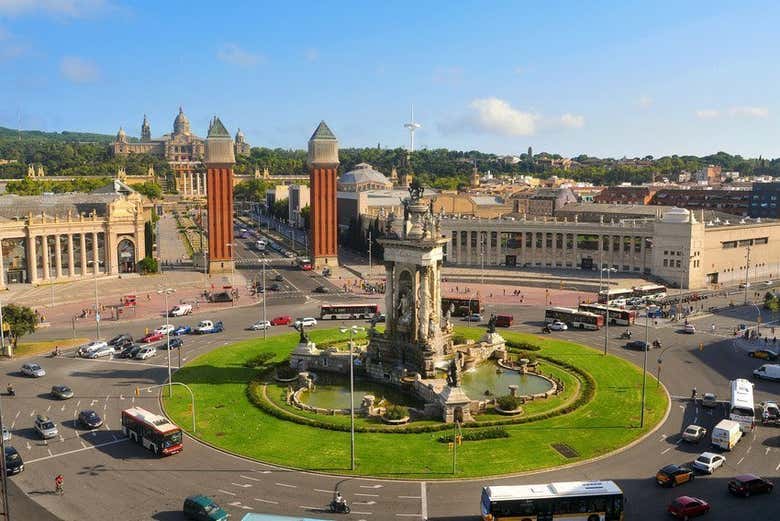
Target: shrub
(284, 370)
(477, 435)
(527, 355)
(259, 360)
(458, 339)
(148, 265)
(508, 402)
(514, 345)
(396, 412)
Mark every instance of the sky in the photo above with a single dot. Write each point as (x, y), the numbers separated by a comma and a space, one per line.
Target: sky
(599, 78)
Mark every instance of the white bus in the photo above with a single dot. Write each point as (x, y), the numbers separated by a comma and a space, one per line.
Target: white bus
(572, 501)
(741, 407)
(650, 291)
(573, 318)
(610, 295)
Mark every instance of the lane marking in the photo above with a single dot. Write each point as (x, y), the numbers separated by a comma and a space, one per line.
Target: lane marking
(767, 450)
(410, 497)
(49, 451)
(424, 500)
(238, 504)
(748, 449)
(62, 408)
(323, 491)
(366, 495)
(249, 477)
(364, 503)
(741, 460)
(242, 485)
(286, 485)
(314, 509)
(362, 513)
(225, 492)
(409, 515)
(75, 451)
(267, 501)
(371, 486)
(84, 445)
(48, 408)
(78, 403)
(665, 451)
(17, 414)
(777, 467)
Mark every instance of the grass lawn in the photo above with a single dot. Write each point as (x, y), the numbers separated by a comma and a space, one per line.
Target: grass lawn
(228, 419)
(37, 348)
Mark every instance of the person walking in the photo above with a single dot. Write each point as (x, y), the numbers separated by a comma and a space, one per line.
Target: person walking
(58, 481)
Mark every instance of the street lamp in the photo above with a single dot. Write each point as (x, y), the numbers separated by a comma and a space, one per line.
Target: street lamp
(192, 397)
(606, 319)
(165, 292)
(351, 330)
(265, 318)
(3, 477)
(644, 369)
(232, 264)
(96, 265)
(482, 245)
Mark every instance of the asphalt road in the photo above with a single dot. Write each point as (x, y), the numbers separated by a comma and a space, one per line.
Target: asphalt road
(106, 475)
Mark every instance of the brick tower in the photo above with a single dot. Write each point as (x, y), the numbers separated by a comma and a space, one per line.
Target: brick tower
(323, 164)
(219, 161)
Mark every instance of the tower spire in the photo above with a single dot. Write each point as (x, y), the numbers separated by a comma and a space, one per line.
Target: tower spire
(412, 126)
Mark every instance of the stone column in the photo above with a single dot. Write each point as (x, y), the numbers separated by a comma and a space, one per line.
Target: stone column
(45, 252)
(423, 307)
(32, 260)
(112, 256)
(389, 287)
(71, 262)
(2, 266)
(197, 180)
(83, 254)
(95, 253)
(205, 184)
(58, 256)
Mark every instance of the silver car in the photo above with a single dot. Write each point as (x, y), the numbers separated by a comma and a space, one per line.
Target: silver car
(45, 427)
(33, 369)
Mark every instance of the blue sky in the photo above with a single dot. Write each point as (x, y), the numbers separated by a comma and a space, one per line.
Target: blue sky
(601, 78)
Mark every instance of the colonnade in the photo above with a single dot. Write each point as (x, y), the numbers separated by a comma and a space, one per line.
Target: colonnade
(193, 184)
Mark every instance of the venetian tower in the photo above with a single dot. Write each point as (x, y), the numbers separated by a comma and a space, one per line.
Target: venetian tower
(323, 163)
(219, 161)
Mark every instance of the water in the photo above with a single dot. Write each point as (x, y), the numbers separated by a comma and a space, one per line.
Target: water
(484, 377)
(333, 393)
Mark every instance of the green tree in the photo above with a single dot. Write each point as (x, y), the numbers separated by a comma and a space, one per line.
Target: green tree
(21, 321)
(251, 190)
(306, 216)
(148, 265)
(150, 189)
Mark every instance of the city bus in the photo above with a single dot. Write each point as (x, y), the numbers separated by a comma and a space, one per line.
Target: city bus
(152, 431)
(574, 318)
(348, 311)
(572, 501)
(741, 407)
(622, 317)
(614, 294)
(650, 291)
(460, 307)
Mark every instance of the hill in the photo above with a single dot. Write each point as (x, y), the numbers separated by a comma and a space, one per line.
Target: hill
(56, 137)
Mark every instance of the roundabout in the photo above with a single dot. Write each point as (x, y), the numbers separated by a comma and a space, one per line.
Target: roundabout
(244, 410)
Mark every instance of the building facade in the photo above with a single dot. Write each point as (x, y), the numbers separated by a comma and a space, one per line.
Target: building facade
(323, 160)
(362, 178)
(765, 200)
(625, 195)
(298, 199)
(735, 201)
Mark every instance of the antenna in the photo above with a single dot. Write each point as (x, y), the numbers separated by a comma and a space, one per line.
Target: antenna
(412, 126)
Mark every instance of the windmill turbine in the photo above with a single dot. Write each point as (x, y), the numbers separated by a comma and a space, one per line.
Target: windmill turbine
(412, 126)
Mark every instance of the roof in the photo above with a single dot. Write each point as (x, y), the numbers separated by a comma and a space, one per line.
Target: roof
(363, 173)
(217, 129)
(569, 488)
(12, 205)
(487, 200)
(614, 209)
(323, 132)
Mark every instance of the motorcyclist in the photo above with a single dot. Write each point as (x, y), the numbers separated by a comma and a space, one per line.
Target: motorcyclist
(339, 499)
(10, 389)
(627, 333)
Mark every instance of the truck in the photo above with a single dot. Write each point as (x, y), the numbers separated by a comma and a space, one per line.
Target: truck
(207, 326)
(768, 371)
(180, 310)
(726, 434)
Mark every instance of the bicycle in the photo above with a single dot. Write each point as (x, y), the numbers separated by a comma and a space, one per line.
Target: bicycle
(59, 490)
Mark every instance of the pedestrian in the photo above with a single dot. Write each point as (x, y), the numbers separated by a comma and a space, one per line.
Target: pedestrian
(693, 393)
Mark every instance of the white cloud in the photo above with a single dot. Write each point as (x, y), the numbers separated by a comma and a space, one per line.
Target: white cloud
(572, 121)
(71, 8)
(78, 70)
(235, 55)
(752, 112)
(707, 113)
(312, 55)
(645, 101)
(494, 116)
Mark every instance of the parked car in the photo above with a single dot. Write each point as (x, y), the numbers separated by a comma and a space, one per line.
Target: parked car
(165, 329)
(61, 392)
(90, 419)
(120, 341)
(770, 412)
(260, 325)
(45, 427)
(763, 354)
(686, 507)
(640, 345)
(278, 278)
(689, 329)
(694, 433)
(173, 342)
(145, 352)
(180, 310)
(380, 317)
(13, 461)
(182, 330)
(673, 475)
(86, 350)
(708, 462)
(106, 350)
(282, 320)
(129, 351)
(207, 326)
(221, 296)
(321, 289)
(154, 336)
(709, 400)
(32, 369)
(558, 326)
(203, 508)
(306, 322)
(275, 287)
(748, 484)
(6, 433)
(768, 372)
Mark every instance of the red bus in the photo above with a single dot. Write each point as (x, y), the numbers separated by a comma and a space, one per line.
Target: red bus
(573, 318)
(623, 317)
(348, 311)
(153, 431)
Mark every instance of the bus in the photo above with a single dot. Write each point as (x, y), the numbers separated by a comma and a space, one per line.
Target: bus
(614, 294)
(348, 311)
(460, 307)
(572, 501)
(741, 407)
(650, 291)
(623, 317)
(574, 318)
(153, 431)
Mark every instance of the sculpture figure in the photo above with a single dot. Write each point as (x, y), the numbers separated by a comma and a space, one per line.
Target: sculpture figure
(453, 374)
(416, 190)
(491, 325)
(304, 339)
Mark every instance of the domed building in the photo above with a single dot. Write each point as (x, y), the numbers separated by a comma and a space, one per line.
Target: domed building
(363, 178)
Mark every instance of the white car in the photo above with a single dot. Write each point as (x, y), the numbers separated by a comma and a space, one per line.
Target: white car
(165, 329)
(558, 326)
(708, 462)
(618, 303)
(86, 350)
(100, 351)
(689, 328)
(694, 433)
(6, 434)
(260, 325)
(305, 322)
(33, 369)
(146, 352)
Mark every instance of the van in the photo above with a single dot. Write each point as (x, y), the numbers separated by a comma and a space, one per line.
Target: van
(504, 320)
(726, 434)
(768, 371)
(180, 310)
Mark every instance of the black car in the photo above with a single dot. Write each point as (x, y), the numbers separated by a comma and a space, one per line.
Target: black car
(321, 289)
(275, 287)
(640, 345)
(175, 343)
(222, 296)
(13, 461)
(90, 419)
(129, 351)
(121, 341)
(278, 278)
(748, 484)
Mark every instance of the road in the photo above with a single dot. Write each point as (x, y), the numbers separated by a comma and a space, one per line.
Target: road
(105, 474)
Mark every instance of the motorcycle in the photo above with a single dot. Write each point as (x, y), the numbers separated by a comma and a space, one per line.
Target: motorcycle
(11, 391)
(626, 335)
(546, 330)
(339, 508)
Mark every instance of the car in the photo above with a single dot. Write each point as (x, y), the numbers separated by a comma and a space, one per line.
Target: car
(13, 461)
(641, 345)
(203, 508)
(321, 289)
(145, 352)
(45, 427)
(748, 484)
(763, 354)
(694, 433)
(275, 287)
(260, 325)
(173, 342)
(120, 341)
(6, 434)
(282, 320)
(744, 285)
(208, 326)
(558, 326)
(708, 462)
(221, 296)
(673, 475)
(90, 419)
(100, 351)
(165, 329)
(86, 350)
(61, 392)
(473, 317)
(129, 351)
(32, 369)
(154, 336)
(686, 507)
(689, 329)
(618, 302)
(305, 322)
(180, 310)
(278, 278)
(770, 412)
(379, 318)
(182, 330)
(709, 400)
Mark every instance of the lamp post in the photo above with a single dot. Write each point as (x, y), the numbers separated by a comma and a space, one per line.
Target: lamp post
(482, 256)
(660, 360)
(606, 319)
(265, 318)
(233, 264)
(747, 273)
(3, 477)
(644, 370)
(351, 330)
(96, 266)
(165, 292)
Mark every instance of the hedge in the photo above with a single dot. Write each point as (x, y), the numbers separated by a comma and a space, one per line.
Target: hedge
(477, 435)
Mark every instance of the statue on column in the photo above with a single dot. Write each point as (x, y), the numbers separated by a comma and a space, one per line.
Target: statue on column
(453, 373)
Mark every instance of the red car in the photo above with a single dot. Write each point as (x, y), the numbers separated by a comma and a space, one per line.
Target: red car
(154, 336)
(685, 507)
(281, 321)
(747, 484)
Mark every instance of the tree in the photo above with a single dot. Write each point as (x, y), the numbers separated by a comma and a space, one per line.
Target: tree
(306, 217)
(148, 265)
(21, 321)
(150, 189)
(251, 190)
